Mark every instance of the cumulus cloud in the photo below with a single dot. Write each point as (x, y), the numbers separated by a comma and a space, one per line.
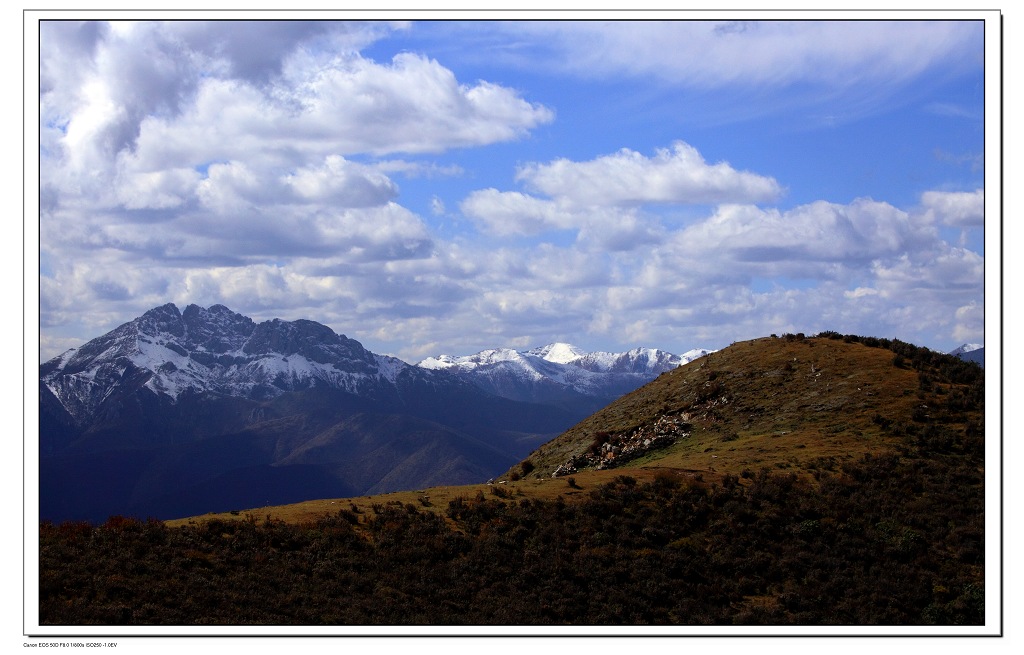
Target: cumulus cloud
(603, 199)
(672, 176)
(231, 187)
(413, 105)
(163, 189)
(957, 209)
(383, 232)
(947, 272)
(865, 267)
(259, 51)
(343, 183)
(970, 323)
(818, 232)
(507, 213)
(121, 101)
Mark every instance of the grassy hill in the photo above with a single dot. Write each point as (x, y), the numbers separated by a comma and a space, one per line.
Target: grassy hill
(785, 403)
(790, 480)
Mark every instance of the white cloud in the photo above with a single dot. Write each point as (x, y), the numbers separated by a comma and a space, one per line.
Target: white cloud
(164, 189)
(627, 178)
(948, 272)
(230, 188)
(715, 54)
(412, 105)
(821, 73)
(507, 213)
(619, 230)
(152, 97)
(568, 270)
(970, 323)
(603, 198)
(279, 233)
(861, 292)
(415, 169)
(958, 209)
(818, 232)
(260, 51)
(342, 183)
(437, 206)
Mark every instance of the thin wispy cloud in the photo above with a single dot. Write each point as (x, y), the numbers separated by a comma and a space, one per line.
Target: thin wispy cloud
(764, 53)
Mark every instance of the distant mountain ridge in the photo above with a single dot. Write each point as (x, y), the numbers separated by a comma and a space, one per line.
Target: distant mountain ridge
(187, 406)
(560, 370)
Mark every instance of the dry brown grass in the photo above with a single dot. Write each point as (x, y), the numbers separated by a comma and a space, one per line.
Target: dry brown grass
(433, 499)
(779, 404)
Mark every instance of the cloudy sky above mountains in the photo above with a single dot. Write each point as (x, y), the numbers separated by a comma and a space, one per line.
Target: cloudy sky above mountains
(448, 186)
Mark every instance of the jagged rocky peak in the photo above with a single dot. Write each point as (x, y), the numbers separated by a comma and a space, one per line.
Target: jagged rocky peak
(164, 319)
(642, 359)
(314, 341)
(216, 329)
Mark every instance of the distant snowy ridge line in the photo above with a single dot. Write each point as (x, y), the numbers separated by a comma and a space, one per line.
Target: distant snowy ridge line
(564, 354)
(508, 371)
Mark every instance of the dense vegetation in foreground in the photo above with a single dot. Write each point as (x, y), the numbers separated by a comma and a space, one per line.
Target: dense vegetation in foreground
(884, 540)
(864, 510)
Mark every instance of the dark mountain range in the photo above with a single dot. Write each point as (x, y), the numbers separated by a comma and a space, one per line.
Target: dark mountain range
(178, 413)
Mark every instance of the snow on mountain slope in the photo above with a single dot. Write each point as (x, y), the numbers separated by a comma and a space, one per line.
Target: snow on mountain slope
(212, 350)
(971, 352)
(563, 365)
(559, 353)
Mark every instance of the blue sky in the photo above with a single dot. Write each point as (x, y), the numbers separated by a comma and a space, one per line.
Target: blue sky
(442, 187)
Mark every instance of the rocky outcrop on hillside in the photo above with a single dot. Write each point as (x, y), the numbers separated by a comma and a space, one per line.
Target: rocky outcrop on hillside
(609, 451)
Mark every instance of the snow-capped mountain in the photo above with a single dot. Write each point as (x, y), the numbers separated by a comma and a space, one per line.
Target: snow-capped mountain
(971, 352)
(215, 351)
(560, 368)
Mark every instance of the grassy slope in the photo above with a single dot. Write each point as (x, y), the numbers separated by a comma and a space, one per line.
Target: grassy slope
(767, 402)
(787, 405)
